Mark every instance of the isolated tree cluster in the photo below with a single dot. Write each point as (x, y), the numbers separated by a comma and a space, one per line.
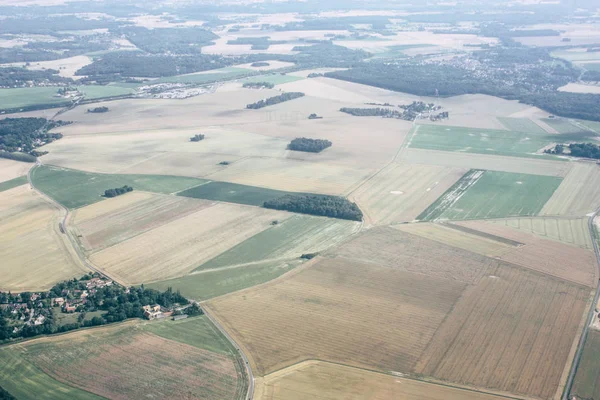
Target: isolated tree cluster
(275, 100)
(326, 206)
(309, 145)
(117, 191)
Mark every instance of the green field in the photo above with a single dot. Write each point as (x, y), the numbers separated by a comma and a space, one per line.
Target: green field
(521, 125)
(491, 194)
(587, 380)
(562, 125)
(27, 97)
(233, 193)
(275, 79)
(75, 189)
(206, 285)
(297, 235)
(98, 91)
(482, 141)
(592, 66)
(221, 74)
(13, 183)
(25, 381)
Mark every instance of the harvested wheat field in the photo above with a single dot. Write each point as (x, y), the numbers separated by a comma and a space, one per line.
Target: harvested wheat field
(34, 253)
(400, 192)
(547, 256)
(120, 362)
(403, 251)
(321, 380)
(488, 162)
(338, 310)
(10, 169)
(573, 231)
(578, 194)
(112, 221)
(178, 247)
(293, 175)
(512, 332)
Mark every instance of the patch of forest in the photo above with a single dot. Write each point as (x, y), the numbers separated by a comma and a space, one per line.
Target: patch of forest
(275, 100)
(26, 134)
(117, 191)
(309, 145)
(258, 43)
(187, 40)
(583, 150)
(258, 85)
(326, 206)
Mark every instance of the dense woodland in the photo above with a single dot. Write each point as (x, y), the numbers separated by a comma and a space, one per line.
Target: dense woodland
(169, 40)
(258, 43)
(117, 191)
(326, 206)
(309, 145)
(4, 395)
(26, 134)
(12, 77)
(583, 150)
(275, 100)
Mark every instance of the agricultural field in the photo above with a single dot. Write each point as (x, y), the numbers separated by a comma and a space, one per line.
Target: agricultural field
(122, 362)
(10, 169)
(403, 251)
(489, 162)
(521, 125)
(276, 79)
(322, 380)
(578, 194)
(332, 309)
(572, 231)
(35, 255)
(400, 192)
(221, 74)
(490, 194)
(204, 285)
(297, 235)
(587, 380)
(482, 141)
(563, 126)
(74, 189)
(176, 248)
(498, 334)
(114, 220)
(7, 185)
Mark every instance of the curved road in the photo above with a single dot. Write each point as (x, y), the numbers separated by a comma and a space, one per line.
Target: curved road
(84, 261)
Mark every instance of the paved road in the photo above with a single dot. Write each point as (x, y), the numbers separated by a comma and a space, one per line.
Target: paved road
(92, 267)
(590, 317)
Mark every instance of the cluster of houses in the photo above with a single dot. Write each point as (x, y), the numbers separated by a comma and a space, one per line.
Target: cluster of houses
(32, 313)
(74, 298)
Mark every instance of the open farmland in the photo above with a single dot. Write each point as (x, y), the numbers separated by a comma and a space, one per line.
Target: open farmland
(521, 125)
(512, 332)
(114, 220)
(10, 169)
(338, 310)
(326, 381)
(482, 141)
(122, 362)
(563, 126)
(401, 192)
(578, 194)
(176, 248)
(207, 284)
(587, 380)
(34, 253)
(490, 194)
(573, 231)
(7, 185)
(74, 189)
(297, 235)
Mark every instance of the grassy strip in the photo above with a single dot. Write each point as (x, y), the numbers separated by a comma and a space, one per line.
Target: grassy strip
(13, 183)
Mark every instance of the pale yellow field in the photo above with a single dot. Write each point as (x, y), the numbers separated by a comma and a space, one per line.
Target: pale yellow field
(66, 67)
(178, 247)
(567, 230)
(489, 162)
(115, 220)
(326, 88)
(578, 194)
(338, 310)
(293, 175)
(34, 253)
(400, 192)
(10, 169)
(580, 88)
(327, 381)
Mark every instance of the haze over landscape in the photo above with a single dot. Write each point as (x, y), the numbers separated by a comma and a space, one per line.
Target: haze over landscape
(294, 200)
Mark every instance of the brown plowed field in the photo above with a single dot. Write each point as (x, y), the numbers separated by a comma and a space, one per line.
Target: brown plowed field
(338, 310)
(112, 221)
(561, 260)
(511, 332)
(406, 252)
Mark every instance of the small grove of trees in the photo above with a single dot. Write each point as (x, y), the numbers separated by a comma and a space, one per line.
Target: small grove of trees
(326, 206)
(258, 85)
(98, 110)
(18, 156)
(117, 191)
(196, 138)
(260, 64)
(314, 116)
(309, 145)
(275, 100)
(584, 150)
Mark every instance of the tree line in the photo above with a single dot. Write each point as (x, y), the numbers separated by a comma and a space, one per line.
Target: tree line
(583, 150)
(117, 191)
(326, 206)
(275, 100)
(258, 85)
